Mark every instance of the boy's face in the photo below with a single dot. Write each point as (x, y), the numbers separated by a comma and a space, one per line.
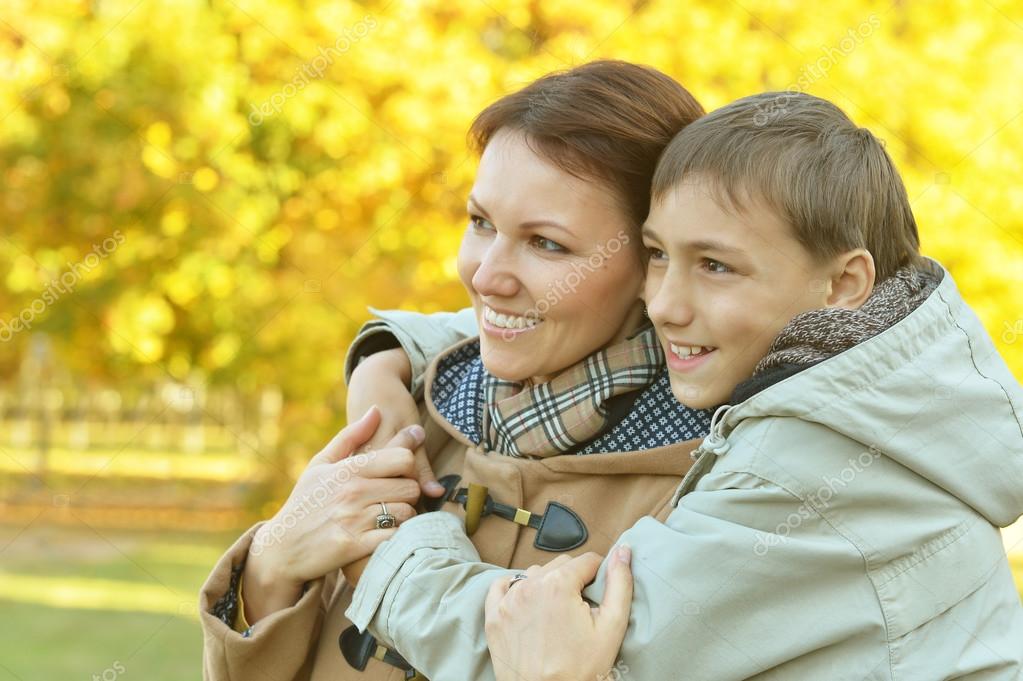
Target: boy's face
(720, 285)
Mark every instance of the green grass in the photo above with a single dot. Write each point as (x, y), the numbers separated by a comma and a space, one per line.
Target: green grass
(77, 603)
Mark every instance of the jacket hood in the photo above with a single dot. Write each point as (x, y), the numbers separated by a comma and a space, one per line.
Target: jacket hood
(930, 392)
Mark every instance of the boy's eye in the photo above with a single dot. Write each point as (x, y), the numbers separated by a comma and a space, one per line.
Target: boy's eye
(545, 244)
(716, 266)
(481, 223)
(656, 253)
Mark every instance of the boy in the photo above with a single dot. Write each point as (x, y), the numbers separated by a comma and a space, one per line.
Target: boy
(841, 519)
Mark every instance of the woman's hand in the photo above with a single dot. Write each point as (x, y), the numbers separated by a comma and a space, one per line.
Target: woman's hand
(330, 518)
(383, 379)
(541, 629)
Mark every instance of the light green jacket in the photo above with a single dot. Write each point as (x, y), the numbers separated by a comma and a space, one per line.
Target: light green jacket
(841, 524)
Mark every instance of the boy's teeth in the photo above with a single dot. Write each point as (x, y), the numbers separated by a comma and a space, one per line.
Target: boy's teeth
(686, 351)
(508, 321)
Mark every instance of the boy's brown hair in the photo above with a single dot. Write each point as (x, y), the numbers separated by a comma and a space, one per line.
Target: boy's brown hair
(606, 121)
(832, 181)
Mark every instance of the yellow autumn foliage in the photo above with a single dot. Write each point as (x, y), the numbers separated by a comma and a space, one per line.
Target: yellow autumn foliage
(276, 166)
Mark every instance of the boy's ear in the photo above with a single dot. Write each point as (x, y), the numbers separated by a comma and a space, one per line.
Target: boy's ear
(852, 279)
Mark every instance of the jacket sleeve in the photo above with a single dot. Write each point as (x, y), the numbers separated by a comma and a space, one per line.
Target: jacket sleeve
(422, 336)
(739, 579)
(277, 647)
(427, 584)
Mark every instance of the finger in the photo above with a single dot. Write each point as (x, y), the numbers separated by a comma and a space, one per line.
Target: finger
(613, 613)
(408, 438)
(371, 539)
(351, 437)
(495, 593)
(554, 564)
(400, 511)
(371, 491)
(424, 473)
(581, 570)
(383, 463)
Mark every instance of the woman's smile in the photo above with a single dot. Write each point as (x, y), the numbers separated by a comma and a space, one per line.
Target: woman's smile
(507, 324)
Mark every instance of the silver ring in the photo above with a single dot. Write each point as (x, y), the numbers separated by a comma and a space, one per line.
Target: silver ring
(517, 578)
(385, 520)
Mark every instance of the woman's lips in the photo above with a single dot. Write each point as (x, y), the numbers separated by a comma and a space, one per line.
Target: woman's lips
(506, 326)
(503, 333)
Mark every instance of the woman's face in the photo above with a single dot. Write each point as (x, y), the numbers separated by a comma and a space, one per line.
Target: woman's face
(550, 262)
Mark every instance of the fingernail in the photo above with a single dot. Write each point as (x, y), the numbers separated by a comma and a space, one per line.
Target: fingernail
(369, 411)
(434, 487)
(417, 433)
(624, 554)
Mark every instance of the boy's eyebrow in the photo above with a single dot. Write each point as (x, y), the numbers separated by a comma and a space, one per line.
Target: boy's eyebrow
(698, 245)
(525, 225)
(711, 245)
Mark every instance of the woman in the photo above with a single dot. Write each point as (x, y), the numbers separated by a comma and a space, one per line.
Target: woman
(567, 364)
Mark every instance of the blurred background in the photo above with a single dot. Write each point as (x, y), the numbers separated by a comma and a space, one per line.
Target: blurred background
(199, 198)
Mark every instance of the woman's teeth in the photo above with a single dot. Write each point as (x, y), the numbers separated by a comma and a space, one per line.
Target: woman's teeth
(504, 321)
(687, 351)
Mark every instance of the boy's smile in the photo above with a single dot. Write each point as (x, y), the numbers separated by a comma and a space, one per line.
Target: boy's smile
(722, 281)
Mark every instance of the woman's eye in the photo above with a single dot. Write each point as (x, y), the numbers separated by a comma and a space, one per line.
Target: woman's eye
(716, 266)
(480, 223)
(545, 244)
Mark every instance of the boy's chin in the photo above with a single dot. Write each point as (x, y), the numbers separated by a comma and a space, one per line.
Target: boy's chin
(696, 396)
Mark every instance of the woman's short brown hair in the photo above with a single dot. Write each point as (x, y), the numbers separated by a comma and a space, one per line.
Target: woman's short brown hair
(831, 180)
(605, 121)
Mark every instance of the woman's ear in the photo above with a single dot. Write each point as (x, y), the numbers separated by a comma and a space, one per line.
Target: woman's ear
(852, 280)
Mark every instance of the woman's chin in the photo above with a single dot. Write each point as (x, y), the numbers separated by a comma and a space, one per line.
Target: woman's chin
(506, 365)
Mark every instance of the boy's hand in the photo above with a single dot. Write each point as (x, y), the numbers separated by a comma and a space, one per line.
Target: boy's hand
(540, 628)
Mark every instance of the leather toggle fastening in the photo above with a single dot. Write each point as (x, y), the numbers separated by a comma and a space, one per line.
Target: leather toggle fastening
(559, 528)
(358, 648)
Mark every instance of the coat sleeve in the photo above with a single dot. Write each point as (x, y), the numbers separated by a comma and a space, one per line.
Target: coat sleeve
(423, 593)
(277, 647)
(740, 578)
(422, 336)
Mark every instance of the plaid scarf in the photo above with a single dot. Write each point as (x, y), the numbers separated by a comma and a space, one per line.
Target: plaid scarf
(554, 417)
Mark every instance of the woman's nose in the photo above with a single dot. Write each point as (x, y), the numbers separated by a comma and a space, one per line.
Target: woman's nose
(496, 276)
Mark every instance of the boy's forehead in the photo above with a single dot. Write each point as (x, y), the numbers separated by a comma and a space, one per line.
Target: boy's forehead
(698, 211)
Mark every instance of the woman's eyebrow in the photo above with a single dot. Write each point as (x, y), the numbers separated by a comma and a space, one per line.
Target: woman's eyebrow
(529, 224)
(481, 209)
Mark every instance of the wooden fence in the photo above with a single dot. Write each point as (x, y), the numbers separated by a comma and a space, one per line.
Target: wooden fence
(164, 455)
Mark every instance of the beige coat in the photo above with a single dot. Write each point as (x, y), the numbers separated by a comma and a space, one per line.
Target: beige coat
(610, 492)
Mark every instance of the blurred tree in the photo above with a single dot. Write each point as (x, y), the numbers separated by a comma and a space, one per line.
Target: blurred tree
(222, 186)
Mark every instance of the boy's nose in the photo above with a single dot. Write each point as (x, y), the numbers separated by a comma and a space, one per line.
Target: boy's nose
(668, 305)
